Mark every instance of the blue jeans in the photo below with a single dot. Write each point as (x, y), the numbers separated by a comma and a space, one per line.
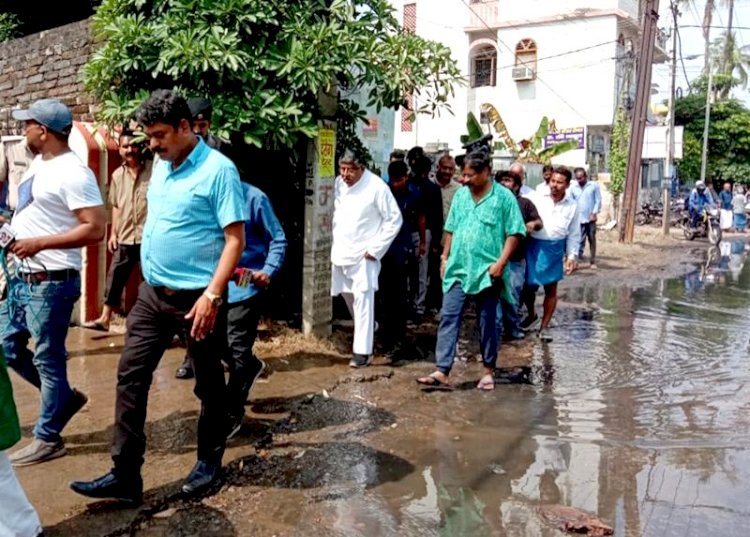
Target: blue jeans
(508, 316)
(41, 311)
(454, 302)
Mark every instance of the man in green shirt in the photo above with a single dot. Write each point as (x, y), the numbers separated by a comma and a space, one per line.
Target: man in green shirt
(484, 226)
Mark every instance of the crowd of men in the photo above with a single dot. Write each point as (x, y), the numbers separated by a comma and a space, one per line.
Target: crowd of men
(420, 243)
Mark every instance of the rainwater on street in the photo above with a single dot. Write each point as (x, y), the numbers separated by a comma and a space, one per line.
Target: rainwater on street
(638, 412)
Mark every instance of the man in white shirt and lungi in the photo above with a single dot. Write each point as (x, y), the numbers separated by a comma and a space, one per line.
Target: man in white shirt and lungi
(551, 250)
(366, 219)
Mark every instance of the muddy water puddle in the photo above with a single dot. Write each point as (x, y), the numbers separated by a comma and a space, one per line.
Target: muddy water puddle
(637, 411)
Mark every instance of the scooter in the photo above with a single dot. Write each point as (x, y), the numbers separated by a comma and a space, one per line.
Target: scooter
(708, 226)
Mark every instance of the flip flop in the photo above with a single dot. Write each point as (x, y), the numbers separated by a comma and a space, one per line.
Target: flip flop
(95, 325)
(486, 383)
(430, 381)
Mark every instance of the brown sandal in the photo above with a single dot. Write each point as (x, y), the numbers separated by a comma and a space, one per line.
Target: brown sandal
(432, 381)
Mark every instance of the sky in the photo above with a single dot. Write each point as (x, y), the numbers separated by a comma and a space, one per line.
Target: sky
(692, 41)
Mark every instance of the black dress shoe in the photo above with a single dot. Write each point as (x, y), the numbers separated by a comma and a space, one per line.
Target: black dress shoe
(185, 371)
(203, 476)
(109, 486)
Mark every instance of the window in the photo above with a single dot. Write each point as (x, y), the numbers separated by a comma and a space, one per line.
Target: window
(484, 67)
(410, 17)
(526, 54)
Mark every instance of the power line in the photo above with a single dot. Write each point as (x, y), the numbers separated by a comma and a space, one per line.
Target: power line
(512, 51)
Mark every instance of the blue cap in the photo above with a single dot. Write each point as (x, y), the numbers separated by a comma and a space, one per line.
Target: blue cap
(51, 113)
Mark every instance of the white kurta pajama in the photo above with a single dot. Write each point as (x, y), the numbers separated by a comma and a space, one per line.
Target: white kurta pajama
(366, 219)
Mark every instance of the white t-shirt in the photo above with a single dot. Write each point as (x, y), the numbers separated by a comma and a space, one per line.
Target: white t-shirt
(48, 193)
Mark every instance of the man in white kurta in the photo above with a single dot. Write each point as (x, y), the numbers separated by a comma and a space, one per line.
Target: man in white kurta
(366, 219)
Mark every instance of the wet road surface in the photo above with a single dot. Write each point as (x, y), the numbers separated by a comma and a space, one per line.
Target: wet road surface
(638, 411)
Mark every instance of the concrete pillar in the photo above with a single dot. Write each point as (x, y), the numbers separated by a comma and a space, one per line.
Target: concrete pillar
(316, 258)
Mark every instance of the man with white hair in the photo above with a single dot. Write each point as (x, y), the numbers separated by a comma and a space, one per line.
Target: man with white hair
(366, 219)
(519, 170)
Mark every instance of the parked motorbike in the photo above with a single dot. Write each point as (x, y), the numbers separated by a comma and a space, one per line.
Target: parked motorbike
(649, 212)
(708, 226)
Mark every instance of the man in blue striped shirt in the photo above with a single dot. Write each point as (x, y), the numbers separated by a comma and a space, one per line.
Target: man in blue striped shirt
(192, 241)
(589, 199)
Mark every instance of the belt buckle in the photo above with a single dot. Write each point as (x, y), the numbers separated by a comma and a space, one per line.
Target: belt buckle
(35, 277)
(169, 292)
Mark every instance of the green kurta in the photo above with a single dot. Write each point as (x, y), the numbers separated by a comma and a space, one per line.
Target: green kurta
(10, 431)
(479, 232)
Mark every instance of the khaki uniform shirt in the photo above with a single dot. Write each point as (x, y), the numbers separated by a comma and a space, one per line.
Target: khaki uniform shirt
(129, 197)
(15, 158)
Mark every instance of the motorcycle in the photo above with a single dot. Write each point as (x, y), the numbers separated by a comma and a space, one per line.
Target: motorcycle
(708, 226)
(648, 213)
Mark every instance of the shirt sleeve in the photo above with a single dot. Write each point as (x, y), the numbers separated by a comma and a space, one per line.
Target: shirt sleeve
(3, 164)
(514, 224)
(275, 236)
(390, 226)
(450, 222)
(80, 189)
(227, 197)
(597, 200)
(574, 237)
(112, 191)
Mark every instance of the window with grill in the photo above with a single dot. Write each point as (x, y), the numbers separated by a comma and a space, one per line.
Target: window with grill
(484, 67)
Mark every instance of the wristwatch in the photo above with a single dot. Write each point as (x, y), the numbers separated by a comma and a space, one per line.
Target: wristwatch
(213, 298)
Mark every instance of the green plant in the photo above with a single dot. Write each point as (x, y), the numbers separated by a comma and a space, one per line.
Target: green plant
(264, 63)
(9, 24)
(618, 153)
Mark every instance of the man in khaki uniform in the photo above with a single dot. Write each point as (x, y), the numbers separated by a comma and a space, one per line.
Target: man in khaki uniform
(127, 196)
(15, 158)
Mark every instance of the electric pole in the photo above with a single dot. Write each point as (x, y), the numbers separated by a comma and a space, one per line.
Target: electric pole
(669, 168)
(638, 125)
(704, 153)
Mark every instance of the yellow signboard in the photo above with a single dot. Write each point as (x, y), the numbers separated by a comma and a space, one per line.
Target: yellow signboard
(326, 152)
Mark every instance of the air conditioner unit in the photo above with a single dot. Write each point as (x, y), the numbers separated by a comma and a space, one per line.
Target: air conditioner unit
(522, 73)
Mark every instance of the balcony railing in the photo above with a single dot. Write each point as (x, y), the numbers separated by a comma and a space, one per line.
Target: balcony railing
(484, 13)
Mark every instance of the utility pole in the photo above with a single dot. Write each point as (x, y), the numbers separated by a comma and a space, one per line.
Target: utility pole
(669, 168)
(638, 126)
(704, 154)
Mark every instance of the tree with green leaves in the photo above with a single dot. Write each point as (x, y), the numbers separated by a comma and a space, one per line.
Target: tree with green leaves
(728, 138)
(8, 26)
(264, 63)
(618, 157)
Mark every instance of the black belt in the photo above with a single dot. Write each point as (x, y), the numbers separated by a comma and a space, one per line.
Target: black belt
(49, 276)
(166, 291)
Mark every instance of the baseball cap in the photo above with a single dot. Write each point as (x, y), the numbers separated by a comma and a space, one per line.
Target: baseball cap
(699, 184)
(200, 108)
(51, 113)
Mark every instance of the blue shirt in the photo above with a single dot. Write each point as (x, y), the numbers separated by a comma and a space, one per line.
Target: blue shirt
(698, 200)
(589, 199)
(265, 242)
(188, 209)
(726, 200)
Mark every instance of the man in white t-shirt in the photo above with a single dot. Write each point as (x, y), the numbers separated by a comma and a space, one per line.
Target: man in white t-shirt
(59, 210)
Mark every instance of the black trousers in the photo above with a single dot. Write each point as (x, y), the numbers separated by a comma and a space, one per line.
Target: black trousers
(394, 299)
(124, 260)
(242, 329)
(152, 323)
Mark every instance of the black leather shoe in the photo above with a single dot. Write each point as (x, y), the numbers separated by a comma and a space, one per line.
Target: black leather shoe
(185, 371)
(109, 486)
(202, 477)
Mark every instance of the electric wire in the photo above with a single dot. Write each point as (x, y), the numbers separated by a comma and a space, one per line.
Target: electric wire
(512, 51)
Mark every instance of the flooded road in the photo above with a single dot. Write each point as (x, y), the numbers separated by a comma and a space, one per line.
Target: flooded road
(638, 411)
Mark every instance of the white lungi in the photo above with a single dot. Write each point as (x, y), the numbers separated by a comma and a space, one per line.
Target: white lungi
(17, 517)
(726, 219)
(357, 284)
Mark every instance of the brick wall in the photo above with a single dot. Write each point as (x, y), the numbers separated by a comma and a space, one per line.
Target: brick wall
(47, 64)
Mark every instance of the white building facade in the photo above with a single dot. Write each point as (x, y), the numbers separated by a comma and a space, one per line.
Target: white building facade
(569, 60)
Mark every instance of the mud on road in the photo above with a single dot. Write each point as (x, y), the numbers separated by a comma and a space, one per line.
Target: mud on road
(610, 417)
